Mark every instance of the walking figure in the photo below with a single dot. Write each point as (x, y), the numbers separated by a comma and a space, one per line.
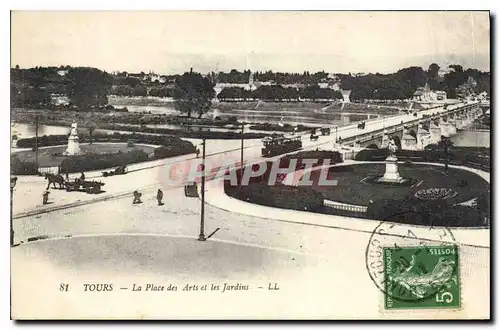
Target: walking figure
(137, 197)
(67, 176)
(45, 196)
(197, 152)
(82, 176)
(159, 197)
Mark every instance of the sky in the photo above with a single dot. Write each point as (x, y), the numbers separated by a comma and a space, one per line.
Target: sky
(170, 42)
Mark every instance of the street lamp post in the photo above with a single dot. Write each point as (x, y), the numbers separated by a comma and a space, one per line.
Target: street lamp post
(36, 142)
(241, 155)
(13, 181)
(202, 220)
(242, 129)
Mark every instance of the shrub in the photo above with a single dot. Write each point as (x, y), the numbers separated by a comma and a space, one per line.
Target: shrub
(90, 162)
(426, 213)
(334, 156)
(18, 167)
(287, 197)
(372, 155)
(43, 141)
(181, 148)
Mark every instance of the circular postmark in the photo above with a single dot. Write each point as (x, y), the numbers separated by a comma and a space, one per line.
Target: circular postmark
(409, 263)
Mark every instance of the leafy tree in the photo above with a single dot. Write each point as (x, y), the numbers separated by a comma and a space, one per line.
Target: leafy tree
(91, 126)
(433, 70)
(432, 74)
(445, 144)
(193, 93)
(139, 91)
(88, 87)
(456, 67)
(30, 97)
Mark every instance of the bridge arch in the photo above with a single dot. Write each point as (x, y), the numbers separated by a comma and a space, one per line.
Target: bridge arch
(413, 133)
(397, 141)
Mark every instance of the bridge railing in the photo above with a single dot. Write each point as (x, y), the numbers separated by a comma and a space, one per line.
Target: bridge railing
(392, 129)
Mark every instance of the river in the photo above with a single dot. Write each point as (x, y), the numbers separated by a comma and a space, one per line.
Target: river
(477, 138)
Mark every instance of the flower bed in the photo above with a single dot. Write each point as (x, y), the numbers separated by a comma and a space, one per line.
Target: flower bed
(435, 193)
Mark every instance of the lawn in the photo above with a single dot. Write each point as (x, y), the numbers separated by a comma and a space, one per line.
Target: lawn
(351, 190)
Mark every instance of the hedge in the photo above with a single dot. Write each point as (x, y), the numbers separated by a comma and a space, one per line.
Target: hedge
(281, 196)
(428, 213)
(320, 155)
(174, 150)
(18, 167)
(89, 162)
(43, 141)
(54, 140)
(334, 156)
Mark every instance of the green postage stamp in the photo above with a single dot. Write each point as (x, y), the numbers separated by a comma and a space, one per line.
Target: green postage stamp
(421, 277)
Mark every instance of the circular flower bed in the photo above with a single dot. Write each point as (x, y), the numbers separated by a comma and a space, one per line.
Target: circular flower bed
(435, 193)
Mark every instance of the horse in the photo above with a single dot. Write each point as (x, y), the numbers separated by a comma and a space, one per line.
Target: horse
(54, 178)
(313, 137)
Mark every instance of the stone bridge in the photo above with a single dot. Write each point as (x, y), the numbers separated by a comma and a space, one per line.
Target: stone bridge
(416, 134)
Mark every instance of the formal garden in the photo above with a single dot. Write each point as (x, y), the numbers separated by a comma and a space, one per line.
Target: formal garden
(433, 195)
(354, 186)
(105, 151)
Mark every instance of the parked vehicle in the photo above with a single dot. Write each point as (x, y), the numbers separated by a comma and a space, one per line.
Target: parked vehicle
(325, 131)
(122, 169)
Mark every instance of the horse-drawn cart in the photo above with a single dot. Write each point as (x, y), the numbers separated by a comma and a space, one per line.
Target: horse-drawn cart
(90, 187)
(122, 169)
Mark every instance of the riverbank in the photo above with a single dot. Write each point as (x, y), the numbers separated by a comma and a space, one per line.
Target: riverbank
(182, 126)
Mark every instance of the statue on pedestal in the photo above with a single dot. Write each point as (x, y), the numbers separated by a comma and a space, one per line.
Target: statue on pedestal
(391, 166)
(73, 142)
(392, 147)
(74, 132)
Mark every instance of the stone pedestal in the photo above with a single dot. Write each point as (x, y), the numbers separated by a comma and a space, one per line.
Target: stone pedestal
(73, 146)
(391, 171)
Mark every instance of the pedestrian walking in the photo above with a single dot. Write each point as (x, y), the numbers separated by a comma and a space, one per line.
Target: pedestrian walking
(45, 197)
(67, 176)
(159, 197)
(82, 176)
(197, 152)
(137, 197)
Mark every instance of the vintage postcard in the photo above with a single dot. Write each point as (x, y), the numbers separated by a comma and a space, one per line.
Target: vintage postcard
(181, 165)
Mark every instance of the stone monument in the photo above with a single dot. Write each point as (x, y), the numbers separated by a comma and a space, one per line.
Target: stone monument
(391, 166)
(73, 142)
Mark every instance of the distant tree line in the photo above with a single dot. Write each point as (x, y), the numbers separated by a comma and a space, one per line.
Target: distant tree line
(278, 93)
(284, 78)
(404, 83)
(88, 88)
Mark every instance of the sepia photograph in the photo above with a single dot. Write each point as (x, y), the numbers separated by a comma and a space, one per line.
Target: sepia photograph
(250, 165)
